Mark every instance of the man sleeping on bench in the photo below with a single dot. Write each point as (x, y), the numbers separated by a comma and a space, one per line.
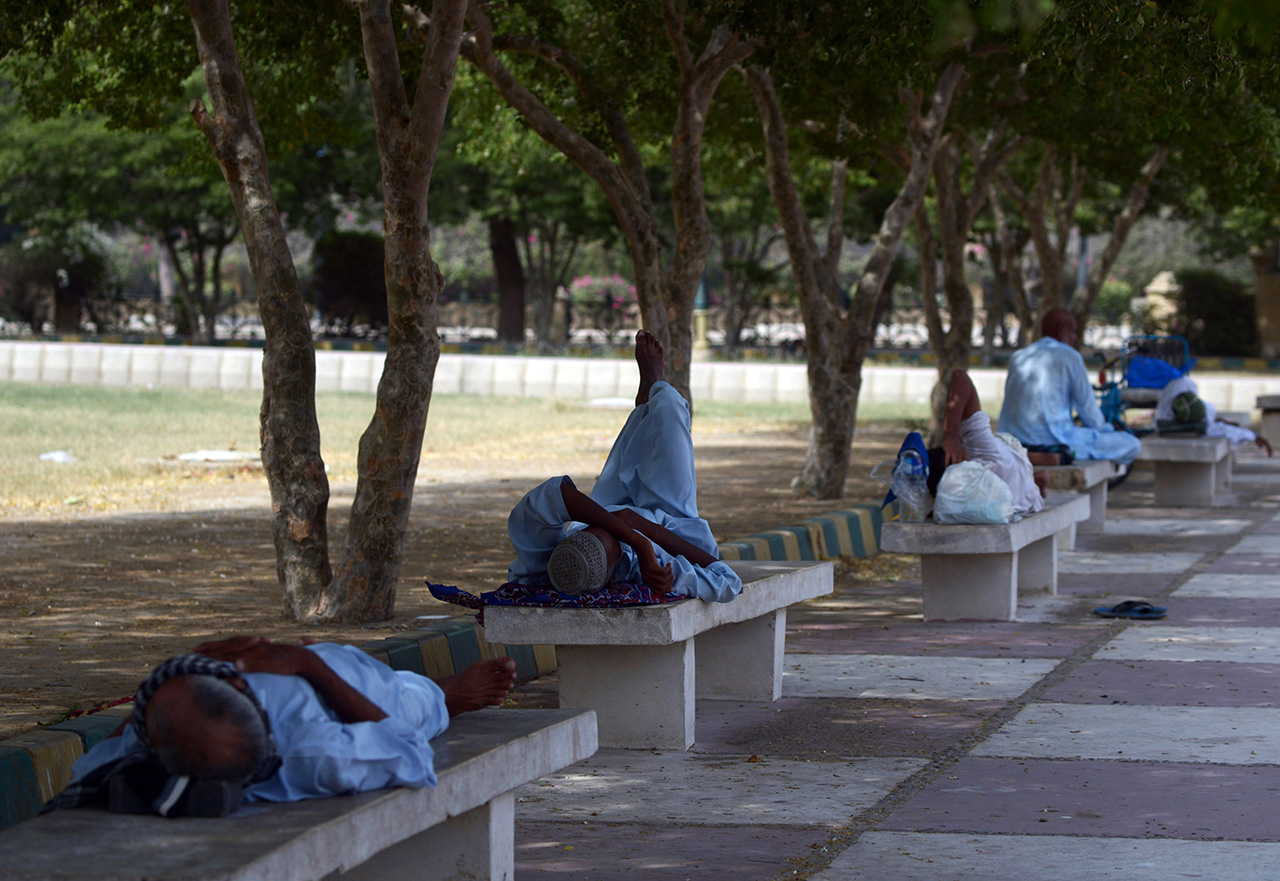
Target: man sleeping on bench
(640, 524)
(967, 434)
(248, 718)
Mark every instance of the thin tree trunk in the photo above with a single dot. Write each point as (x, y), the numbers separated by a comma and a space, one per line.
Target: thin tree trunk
(1083, 307)
(510, 276)
(289, 431)
(836, 345)
(666, 296)
(364, 586)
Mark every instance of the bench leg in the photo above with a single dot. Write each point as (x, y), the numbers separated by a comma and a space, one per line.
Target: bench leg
(1038, 567)
(1185, 484)
(1222, 472)
(983, 587)
(743, 661)
(1066, 539)
(1096, 524)
(478, 844)
(642, 695)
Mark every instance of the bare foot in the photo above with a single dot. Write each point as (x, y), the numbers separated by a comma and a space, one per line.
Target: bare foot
(481, 685)
(649, 360)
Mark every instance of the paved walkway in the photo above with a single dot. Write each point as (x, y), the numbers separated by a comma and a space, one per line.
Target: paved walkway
(1060, 747)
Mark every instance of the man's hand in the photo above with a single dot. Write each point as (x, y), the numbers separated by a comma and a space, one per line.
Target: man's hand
(954, 451)
(656, 577)
(258, 654)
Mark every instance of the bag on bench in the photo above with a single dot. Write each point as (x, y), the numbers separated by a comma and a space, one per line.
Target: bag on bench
(970, 492)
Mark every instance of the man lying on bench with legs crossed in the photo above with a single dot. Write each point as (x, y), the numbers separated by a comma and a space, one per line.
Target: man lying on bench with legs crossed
(640, 524)
(284, 722)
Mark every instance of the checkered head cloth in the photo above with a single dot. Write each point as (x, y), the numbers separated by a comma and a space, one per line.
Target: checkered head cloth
(578, 564)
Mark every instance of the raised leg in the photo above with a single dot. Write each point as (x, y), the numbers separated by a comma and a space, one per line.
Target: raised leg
(642, 695)
(1038, 567)
(1185, 484)
(478, 844)
(743, 661)
(981, 587)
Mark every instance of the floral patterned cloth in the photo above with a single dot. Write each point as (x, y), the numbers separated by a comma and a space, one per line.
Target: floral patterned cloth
(513, 594)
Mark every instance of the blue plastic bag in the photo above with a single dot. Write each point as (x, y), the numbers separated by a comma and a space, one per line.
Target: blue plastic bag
(1144, 372)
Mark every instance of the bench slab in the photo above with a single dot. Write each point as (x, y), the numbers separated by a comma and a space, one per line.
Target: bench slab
(1190, 471)
(463, 828)
(975, 572)
(642, 668)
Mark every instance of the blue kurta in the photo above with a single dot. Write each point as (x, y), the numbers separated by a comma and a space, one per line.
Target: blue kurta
(322, 756)
(1045, 382)
(649, 470)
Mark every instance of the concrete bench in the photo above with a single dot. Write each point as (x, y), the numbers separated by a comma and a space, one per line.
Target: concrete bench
(463, 828)
(978, 572)
(1270, 407)
(1190, 471)
(637, 667)
(1088, 476)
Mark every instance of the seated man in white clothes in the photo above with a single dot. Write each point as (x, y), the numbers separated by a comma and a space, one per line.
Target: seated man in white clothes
(1180, 402)
(967, 434)
(640, 524)
(1046, 382)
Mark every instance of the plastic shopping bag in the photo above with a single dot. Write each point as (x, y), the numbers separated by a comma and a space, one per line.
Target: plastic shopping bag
(970, 492)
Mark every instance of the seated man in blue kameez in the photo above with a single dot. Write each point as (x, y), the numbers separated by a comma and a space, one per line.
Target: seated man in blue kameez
(1046, 381)
(640, 524)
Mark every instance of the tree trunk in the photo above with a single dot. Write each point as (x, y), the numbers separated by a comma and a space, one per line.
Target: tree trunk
(510, 276)
(666, 296)
(836, 345)
(289, 431)
(364, 586)
(1083, 307)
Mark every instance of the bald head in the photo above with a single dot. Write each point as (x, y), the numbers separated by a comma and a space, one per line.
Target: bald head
(1060, 325)
(202, 726)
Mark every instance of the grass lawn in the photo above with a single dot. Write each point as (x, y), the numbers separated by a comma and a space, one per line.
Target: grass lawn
(125, 441)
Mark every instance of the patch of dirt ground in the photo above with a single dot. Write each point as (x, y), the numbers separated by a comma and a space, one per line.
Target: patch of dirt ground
(88, 604)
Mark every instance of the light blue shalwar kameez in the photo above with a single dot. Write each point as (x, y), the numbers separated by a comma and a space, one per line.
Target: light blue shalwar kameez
(1045, 382)
(322, 756)
(649, 470)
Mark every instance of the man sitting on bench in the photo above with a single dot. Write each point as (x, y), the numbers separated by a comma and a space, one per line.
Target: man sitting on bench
(1045, 382)
(284, 722)
(640, 524)
(967, 434)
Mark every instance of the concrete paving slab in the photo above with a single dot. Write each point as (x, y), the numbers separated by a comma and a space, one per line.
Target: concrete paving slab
(1103, 584)
(1256, 544)
(1265, 564)
(1181, 527)
(617, 786)
(1219, 735)
(908, 856)
(910, 678)
(1169, 684)
(598, 852)
(1092, 562)
(823, 727)
(1111, 799)
(1231, 585)
(1243, 645)
(1222, 612)
(991, 639)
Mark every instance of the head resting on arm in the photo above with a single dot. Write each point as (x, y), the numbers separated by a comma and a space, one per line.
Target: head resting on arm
(203, 726)
(584, 561)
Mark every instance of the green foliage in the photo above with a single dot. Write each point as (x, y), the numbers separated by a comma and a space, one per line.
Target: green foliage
(1113, 301)
(348, 283)
(1215, 314)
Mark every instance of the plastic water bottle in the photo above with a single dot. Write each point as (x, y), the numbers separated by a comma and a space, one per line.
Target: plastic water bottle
(911, 487)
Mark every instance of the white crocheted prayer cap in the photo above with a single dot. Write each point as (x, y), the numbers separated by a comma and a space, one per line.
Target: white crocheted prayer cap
(578, 564)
